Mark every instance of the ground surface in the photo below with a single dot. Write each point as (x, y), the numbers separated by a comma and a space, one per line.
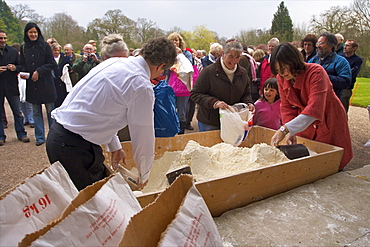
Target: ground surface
(19, 160)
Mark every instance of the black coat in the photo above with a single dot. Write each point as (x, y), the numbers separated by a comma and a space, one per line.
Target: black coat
(9, 79)
(37, 56)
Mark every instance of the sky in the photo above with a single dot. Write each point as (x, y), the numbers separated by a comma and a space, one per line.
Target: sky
(226, 18)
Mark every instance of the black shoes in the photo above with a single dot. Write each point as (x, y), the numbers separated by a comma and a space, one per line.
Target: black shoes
(39, 143)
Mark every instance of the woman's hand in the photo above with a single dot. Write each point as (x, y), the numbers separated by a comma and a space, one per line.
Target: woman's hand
(221, 104)
(251, 107)
(277, 138)
(35, 76)
(291, 139)
(12, 67)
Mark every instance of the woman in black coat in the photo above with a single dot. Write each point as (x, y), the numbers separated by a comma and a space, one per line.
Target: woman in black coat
(37, 60)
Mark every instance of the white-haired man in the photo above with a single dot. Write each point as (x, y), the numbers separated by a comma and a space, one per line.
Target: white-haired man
(85, 63)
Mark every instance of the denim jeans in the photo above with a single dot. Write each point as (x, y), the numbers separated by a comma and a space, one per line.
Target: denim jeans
(39, 120)
(181, 103)
(18, 118)
(206, 127)
(27, 111)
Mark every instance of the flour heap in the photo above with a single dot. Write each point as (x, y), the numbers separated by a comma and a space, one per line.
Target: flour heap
(208, 163)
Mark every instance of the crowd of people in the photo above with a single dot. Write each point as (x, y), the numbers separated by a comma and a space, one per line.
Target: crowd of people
(90, 97)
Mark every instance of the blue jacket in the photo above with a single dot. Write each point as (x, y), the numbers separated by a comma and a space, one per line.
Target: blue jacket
(338, 69)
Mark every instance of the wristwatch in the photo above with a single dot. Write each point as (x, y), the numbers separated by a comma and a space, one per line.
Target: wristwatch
(284, 130)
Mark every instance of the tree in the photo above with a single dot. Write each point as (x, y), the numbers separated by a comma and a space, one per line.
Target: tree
(65, 30)
(201, 38)
(300, 31)
(23, 13)
(335, 20)
(114, 21)
(361, 12)
(282, 25)
(352, 22)
(10, 24)
(146, 30)
(253, 36)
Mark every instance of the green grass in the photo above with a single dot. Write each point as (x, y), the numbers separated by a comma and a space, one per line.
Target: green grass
(361, 94)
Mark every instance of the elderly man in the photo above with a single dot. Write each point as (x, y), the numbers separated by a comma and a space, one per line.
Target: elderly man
(9, 67)
(115, 94)
(336, 66)
(71, 58)
(84, 64)
(355, 62)
(215, 51)
(340, 46)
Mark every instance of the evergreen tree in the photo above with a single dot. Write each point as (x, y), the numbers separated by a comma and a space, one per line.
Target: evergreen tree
(282, 25)
(11, 26)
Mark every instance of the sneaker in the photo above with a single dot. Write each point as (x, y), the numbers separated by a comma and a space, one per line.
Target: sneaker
(32, 125)
(39, 143)
(2, 142)
(24, 139)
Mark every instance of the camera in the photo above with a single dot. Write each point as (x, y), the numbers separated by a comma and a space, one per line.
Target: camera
(89, 55)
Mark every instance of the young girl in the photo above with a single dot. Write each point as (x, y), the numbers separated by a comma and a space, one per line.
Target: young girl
(267, 112)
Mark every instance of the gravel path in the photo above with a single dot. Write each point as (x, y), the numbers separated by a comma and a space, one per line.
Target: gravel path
(19, 160)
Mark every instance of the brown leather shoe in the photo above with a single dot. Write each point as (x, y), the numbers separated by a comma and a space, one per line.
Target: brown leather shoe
(24, 139)
(2, 142)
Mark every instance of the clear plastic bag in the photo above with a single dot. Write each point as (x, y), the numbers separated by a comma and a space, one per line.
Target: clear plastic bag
(233, 122)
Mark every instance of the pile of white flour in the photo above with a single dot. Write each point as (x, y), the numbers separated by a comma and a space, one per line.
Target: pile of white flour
(208, 163)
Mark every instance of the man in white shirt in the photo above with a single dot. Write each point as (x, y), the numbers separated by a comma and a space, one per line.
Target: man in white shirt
(112, 95)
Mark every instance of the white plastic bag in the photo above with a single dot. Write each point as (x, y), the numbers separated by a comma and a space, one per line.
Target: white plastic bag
(66, 79)
(22, 89)
(184, 70)
(233, 121)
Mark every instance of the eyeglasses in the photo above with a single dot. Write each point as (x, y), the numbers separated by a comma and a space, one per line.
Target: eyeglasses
(3, 38)
(320, 43)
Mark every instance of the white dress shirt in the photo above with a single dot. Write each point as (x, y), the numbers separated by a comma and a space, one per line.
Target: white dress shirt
(115, 93)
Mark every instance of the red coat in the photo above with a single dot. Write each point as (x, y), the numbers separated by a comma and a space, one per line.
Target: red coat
(265, 73)
(313, 95)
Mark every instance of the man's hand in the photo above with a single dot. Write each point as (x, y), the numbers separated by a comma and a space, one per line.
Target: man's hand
(140, 186)
(116, 158)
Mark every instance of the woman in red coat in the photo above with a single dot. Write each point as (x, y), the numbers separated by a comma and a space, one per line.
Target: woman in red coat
(309, 106)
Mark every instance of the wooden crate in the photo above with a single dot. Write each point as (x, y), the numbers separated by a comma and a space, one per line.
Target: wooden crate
(238, 190)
